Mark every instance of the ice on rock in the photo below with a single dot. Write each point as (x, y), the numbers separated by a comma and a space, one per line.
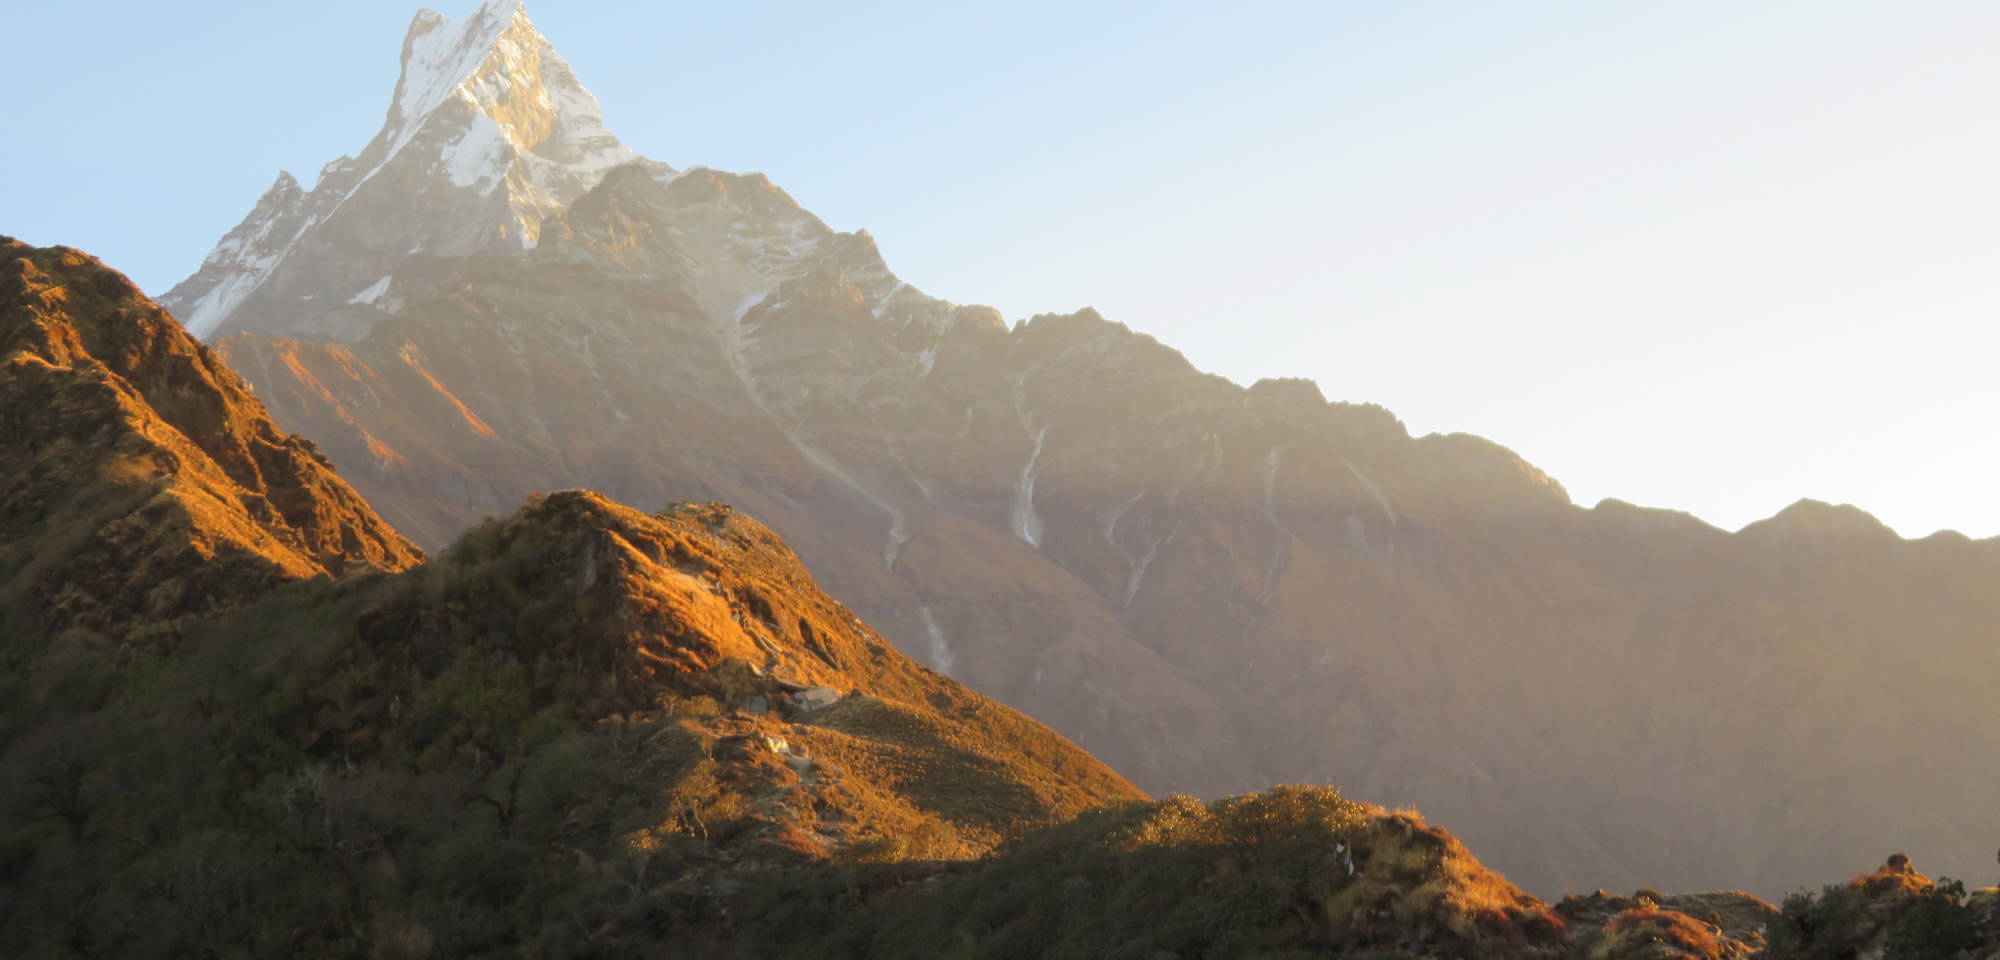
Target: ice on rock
(480, 157)
(483, 104)
(374, 294)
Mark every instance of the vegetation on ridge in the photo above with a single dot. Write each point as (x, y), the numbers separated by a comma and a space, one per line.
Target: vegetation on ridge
(141, 484)
(590, 731)
(1895, 912)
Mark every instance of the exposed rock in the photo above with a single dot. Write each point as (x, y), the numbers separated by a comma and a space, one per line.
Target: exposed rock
(489, 132)
(815, 698)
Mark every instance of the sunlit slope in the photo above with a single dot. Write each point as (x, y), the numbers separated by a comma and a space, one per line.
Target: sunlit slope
(143, 484)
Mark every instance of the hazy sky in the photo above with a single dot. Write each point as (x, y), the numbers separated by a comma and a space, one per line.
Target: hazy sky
(1713, 256)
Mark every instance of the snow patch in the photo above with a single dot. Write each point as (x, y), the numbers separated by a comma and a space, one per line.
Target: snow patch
(1284, 548)
(942, 656)
(1027, 523)
(1357, 531)
(1116, 514)
(373, 293)
(883, 306)
(443, 53)
(480, 156)
(208, 312)
(1139, 570)
(1373, 490)
(735, 335)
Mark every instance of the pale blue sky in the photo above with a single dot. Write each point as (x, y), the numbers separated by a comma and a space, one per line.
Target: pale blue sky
(1703, 255)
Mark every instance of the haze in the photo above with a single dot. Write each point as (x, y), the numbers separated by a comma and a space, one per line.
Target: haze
(1702, 257)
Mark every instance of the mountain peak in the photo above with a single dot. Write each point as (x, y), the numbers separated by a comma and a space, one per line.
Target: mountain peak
(440, 54)
(1810, 516)
(503, 99)
(489, 132)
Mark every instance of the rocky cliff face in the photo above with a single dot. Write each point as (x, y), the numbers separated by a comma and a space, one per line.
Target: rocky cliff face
(488, 133)
(1215, 588)
(142, 483)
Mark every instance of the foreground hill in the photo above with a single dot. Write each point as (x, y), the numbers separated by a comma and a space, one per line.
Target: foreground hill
(1215, 588)
(580, 729)
(142, 482)
(570, 721)
(345, 748)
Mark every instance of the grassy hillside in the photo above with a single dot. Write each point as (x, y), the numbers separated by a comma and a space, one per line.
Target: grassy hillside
(572, 720)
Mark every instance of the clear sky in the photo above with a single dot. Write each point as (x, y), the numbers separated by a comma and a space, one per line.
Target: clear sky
(1714, 256)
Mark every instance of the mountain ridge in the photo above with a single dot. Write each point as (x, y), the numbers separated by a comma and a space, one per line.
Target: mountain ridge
(1215, 587)
(113, 408)
(488, 126)
(349, 745)
(586, 729)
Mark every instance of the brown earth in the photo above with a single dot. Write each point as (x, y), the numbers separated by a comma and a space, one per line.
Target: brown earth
(142, 482)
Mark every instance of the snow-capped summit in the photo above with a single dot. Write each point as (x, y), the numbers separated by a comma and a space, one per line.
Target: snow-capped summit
(440, 53)
(527, 106)
(489, 132)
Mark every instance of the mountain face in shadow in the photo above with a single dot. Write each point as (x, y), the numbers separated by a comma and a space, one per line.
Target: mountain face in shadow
(1214, 588)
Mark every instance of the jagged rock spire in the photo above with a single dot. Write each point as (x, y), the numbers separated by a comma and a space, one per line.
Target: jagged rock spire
(489, 132)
